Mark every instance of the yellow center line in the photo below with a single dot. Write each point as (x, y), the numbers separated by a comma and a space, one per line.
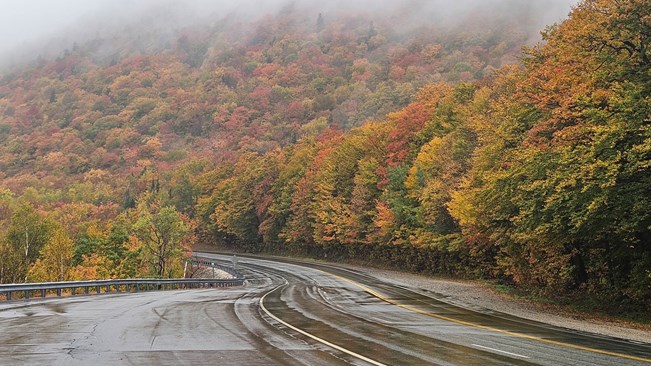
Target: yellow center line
(492, 329)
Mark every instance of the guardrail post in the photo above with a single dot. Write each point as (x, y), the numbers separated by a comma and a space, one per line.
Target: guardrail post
(73, 291)
(8, 295)
(43, 293)
(86, 289)
(26, 294)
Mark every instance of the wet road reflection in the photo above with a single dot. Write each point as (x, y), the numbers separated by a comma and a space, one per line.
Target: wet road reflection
(311, 314)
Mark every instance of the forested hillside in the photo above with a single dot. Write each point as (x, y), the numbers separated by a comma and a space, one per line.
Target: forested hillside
(440, 148)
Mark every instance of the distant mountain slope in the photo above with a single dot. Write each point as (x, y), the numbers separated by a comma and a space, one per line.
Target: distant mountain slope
(121, 103)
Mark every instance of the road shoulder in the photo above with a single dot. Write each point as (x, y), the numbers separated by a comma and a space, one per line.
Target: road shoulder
(477, 296)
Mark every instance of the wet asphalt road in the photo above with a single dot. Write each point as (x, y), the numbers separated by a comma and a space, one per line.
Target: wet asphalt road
(290, 313)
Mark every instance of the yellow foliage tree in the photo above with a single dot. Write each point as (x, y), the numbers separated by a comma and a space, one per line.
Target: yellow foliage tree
(55, 261)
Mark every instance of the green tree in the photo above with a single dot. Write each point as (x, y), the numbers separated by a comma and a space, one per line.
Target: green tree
(10, 263)
(27, 233)
(165, 237)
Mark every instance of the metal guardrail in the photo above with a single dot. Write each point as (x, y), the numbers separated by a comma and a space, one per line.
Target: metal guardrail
(208, 262)
(29, 290)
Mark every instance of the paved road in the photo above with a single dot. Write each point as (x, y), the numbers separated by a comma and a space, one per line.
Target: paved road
(290, 314)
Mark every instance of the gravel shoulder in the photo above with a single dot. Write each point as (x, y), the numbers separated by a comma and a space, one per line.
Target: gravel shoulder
(477, 296)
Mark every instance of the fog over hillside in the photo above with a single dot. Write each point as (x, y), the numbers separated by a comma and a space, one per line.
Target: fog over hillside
(33, 28)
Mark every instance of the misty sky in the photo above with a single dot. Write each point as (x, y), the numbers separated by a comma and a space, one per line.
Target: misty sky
(27, 20)
(25, 23)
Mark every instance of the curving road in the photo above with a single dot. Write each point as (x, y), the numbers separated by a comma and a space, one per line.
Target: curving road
(290, 313)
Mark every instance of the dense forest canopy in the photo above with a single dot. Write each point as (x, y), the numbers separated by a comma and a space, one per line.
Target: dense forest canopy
(441, 147)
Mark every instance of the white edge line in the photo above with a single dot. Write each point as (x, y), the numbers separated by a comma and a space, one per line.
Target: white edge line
(313, 336)
(499, 350)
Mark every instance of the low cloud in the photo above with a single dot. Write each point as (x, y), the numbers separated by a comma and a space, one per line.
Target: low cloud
(30, 28)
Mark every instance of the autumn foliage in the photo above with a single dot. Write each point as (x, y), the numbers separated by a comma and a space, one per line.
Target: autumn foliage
(334, 139)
